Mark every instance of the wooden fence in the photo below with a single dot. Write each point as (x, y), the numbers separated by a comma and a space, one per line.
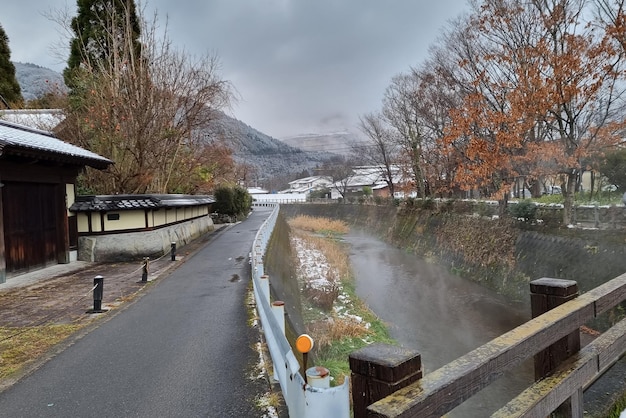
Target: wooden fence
(387, 381)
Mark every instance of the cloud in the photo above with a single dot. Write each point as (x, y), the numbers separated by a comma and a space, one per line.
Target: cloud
(299, 65)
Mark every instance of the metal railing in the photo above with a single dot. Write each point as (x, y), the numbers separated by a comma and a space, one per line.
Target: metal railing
(302, 400)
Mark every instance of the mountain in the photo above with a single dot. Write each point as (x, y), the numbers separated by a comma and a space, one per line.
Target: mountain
(267, 155)
(337, 142)
(35, 81)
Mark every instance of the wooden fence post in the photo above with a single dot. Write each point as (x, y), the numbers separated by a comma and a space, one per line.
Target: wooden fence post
(378, 370)
(547, 294)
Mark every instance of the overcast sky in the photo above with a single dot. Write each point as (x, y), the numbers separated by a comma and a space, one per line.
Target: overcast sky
(299, 66)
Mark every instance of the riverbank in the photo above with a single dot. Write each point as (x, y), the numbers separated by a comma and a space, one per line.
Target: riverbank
(332, 314)
(500, 254)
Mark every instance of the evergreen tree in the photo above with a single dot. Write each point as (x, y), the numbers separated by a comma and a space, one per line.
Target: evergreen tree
(102, 29)
(10, 92)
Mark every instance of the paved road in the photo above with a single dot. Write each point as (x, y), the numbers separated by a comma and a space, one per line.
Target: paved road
(182, 350)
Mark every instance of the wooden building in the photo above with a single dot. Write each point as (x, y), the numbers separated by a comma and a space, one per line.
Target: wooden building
(37, 177)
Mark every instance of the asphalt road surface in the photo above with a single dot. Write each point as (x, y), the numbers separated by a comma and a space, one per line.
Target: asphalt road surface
(184, 349)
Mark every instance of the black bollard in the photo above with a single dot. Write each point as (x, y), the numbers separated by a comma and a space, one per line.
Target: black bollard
(173, 248)
(98, 292)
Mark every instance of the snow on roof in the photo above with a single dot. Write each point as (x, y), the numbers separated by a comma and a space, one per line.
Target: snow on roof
(257, 190)
(22, 137)
(44, 119)
(312, 179)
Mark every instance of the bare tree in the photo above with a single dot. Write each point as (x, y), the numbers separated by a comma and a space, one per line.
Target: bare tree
(400, 110)
(379, 149)
(145, 110)
(340, 170)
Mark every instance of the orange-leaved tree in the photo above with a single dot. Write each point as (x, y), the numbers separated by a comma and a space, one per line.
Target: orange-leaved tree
(544, 90)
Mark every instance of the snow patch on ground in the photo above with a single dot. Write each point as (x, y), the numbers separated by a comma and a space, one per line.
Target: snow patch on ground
(314, 271)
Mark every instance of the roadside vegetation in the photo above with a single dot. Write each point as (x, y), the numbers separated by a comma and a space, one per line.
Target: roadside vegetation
(21, 346)
(618, 408)
(232, 203)
(335, 318)
(583, 198)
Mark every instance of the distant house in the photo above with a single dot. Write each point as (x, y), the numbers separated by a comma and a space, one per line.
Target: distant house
(37, 177)
(308, 184)
(362, 177)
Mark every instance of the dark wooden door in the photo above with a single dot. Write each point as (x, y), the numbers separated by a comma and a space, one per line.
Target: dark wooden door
(30, 225)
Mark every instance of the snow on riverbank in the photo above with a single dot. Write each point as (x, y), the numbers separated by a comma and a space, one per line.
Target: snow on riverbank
(315, 272)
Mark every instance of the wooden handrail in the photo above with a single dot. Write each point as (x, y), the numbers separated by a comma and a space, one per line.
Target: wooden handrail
(442, 390)
(578, 372)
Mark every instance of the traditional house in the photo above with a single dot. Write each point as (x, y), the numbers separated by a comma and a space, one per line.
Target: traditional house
(128, 227)
(37, 177)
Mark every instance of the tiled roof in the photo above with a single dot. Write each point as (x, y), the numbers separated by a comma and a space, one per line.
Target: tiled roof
(43, 119)
(14, 137)
(108, 203)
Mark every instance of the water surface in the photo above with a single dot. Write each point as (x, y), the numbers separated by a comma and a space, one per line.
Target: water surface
(438, 314)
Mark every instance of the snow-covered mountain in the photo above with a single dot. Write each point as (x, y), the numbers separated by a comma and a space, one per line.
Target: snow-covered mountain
(335, 142)
(35, 81)
(269, 156)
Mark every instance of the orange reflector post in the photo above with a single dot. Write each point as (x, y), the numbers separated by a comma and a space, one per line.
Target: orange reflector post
(304, 343)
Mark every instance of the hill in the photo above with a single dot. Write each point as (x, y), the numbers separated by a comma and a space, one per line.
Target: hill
(35, 81)
(336, 142)
(267, 155)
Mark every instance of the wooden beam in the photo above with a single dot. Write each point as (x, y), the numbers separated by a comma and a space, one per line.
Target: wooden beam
(569, 378)
(442, 390)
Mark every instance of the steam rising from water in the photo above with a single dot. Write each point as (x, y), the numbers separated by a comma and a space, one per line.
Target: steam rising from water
(440, 315)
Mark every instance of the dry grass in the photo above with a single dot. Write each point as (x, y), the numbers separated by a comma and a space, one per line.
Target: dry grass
(324, 226)
(21, 346)
(328, 331)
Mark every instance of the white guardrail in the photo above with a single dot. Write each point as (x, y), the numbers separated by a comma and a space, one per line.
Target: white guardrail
(302, 400)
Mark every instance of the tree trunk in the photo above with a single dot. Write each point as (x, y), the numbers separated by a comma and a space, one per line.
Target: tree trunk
(503, 204)
(568, 191)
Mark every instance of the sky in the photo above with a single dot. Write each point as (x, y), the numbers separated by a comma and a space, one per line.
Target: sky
(298, 66)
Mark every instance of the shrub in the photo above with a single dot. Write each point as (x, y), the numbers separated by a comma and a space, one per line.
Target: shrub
(524, 209)
(482, 209)
(232, 201)
(242, 201)
(428, 204)
(320, 193)
(224, 200)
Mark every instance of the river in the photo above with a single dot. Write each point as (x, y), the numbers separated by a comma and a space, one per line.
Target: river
(438, 314)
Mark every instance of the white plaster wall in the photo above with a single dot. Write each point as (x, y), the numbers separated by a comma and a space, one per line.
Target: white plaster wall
(136, 245)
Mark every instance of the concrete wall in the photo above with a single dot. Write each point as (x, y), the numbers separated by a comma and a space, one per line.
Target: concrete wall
(136, 245)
